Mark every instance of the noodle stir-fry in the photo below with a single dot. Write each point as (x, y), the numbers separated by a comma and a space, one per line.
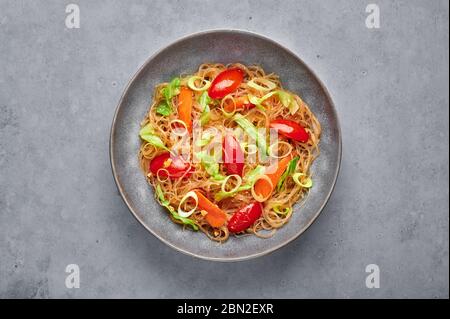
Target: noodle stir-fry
(228, 150)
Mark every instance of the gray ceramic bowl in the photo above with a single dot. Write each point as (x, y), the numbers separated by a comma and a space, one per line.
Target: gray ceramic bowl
(184, 56)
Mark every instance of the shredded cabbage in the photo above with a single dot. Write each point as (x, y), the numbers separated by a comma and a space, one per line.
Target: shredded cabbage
(164, 108)
(147, 133)
(172, 89)
(204, 103)
(268, 85)
(285, 98)
(259, 100)
(293, 107)
(211, 166)
(251, 131)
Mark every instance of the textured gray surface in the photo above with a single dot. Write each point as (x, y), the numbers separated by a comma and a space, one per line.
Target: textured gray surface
(59, 204)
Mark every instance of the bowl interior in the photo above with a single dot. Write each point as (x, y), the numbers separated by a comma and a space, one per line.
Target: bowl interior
(184, 56)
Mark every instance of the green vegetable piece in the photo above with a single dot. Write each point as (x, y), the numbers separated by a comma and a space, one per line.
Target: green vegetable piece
(285, 211)
(289, 171)
(258, 101)
(285, 98)
(250, 177)
(147, 134)
(252, 131)
(164, 109)
(205, 140)
(165, 203)
(204, 102)
(293, 107)
(192, 86)
(172, 89)
(211, 165)
(248, 181)
(307, 184)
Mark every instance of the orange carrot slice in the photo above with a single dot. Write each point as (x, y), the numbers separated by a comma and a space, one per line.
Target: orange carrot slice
(185, 107)
(262, 186)
(215, 216)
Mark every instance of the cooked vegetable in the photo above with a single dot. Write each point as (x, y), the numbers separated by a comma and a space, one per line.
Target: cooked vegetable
(247, 183)
(194, 87)
(285, 98)
(206, 138)
(215, 216)
(293, 106)
(226, 193)
(259, 100)
(233, 156)
(225, 83)
(165, 165)
(285, 211)
(164, 109)
(171, 90)
(288, 172)
(306, 184)
(262, 196)
(261, 84)
(252, 131)
(240, 103)
(185, 107)
(245, 217)
(211, 165)
(264, 187)
(148, 134)
(165, 203)
(251, 176)
(290, 129)
(188, 195)
(204, 102)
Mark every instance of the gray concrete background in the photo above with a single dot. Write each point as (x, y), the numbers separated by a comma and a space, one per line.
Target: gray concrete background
(59, 204)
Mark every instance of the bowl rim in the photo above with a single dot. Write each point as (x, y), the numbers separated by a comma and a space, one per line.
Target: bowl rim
(113, 129)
